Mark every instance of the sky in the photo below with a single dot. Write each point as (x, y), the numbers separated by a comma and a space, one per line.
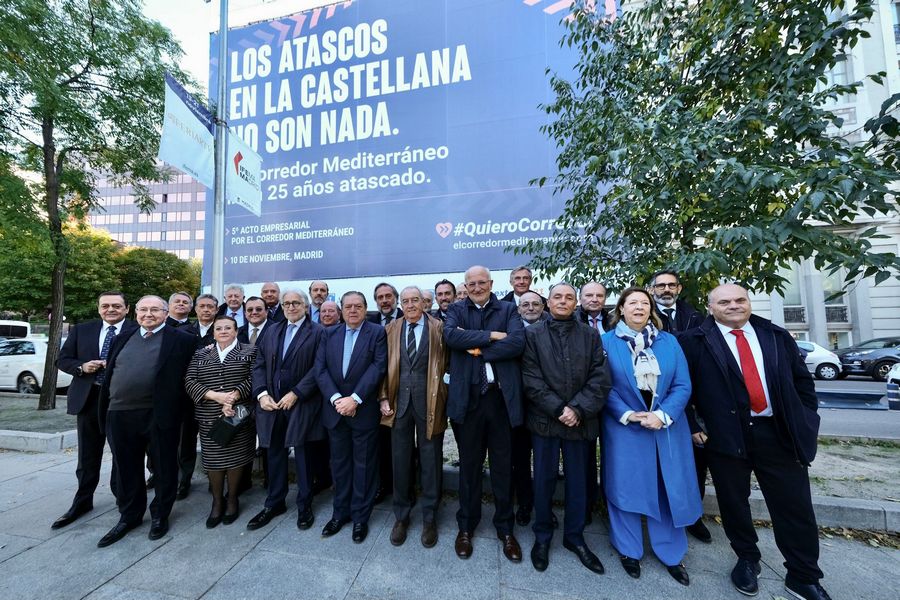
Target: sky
(191, 21)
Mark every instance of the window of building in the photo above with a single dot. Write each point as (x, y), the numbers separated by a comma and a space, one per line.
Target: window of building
(199, 234)
(141, 236)
(201, 215)
(155, 236)
(839, 339)
(126, 238)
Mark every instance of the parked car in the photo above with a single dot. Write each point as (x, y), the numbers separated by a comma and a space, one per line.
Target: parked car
(893, 375)
(22, 366)
(822, 363)
(873, 357)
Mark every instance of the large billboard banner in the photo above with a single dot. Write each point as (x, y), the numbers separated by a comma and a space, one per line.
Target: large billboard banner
(396, 136)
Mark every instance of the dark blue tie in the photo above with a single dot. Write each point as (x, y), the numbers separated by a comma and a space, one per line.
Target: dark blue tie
(104, 352)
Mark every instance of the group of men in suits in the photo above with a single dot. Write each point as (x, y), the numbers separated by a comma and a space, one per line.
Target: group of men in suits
(334, 381)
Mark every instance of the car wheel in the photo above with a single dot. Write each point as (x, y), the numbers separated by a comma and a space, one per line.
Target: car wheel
(880, 371)
(827, 371)
(27, 384)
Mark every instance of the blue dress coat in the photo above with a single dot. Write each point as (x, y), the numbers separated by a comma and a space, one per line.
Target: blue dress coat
(630, 451)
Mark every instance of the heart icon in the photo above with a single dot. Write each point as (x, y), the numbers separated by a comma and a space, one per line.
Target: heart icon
(443, 229)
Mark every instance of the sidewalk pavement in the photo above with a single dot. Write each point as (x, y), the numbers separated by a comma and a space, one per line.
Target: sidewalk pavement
(279, 561)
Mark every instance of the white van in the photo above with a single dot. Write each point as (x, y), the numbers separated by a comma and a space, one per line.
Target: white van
(15, 329)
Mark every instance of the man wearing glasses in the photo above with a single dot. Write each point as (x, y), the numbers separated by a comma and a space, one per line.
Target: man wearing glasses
(486, 338)
(257, 320)
(678, 316)
(142, 402)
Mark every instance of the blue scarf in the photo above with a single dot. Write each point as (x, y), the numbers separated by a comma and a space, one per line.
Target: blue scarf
(646, 369)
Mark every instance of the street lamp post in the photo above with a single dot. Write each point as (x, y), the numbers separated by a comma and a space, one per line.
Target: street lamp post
(218, 233)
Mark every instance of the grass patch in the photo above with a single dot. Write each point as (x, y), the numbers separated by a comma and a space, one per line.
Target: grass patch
(20, 413)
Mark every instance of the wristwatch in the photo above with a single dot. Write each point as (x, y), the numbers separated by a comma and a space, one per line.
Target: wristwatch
(79, 371)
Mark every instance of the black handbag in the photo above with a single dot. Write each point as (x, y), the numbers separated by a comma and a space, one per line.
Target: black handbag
(225, 428)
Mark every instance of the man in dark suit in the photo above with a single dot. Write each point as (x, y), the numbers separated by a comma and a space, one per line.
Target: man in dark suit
(591, 311)
(257, 321)
(318, 294)
(180, 305)
(486, 338)
(386, 300)
(84, 357)
(270, 293)
(445, 295)
(520, 279)
(349, 368)
(329, 313)
(142, 402)
(284, 383)
(206, 308)
(678, 316)
(234, 304)
(756, 404)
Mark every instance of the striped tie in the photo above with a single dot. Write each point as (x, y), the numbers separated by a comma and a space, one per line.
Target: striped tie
(411, 342)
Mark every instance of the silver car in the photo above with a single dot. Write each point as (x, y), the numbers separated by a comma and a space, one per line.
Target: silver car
(821, 362)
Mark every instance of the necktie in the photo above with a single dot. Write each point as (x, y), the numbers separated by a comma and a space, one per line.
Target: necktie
(751, 374)
(349, 338)
(148, 335)
(595, 323)
(104, 352)
(253, 336)
(315, 315)
(288, 338)
(388, 319)
(670, 314)
(411, 342)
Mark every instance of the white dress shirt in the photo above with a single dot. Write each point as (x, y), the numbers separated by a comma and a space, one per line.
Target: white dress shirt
(105, 329)
(756, 349)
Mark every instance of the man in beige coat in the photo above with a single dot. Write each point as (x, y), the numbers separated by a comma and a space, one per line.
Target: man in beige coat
(413, 403)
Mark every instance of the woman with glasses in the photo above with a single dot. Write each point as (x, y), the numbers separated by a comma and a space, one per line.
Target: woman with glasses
(648, 464)
(218, 381)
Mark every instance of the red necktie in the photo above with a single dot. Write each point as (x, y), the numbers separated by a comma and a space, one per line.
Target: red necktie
(751, 374)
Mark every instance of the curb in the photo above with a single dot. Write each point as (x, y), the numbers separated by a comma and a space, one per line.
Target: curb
(32, 441)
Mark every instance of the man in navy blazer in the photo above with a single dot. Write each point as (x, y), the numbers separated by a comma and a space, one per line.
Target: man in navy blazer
(84, 357)
(143, 405)
(755, 405)
(284, 383)
(486, 338)
(349, 368)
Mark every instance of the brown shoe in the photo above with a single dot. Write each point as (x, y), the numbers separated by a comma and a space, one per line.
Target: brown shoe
(398, 533)
(464, 544)
(429, 534)
(511, 549)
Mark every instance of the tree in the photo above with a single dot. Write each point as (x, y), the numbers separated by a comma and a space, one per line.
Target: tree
(92, 269)
(81, 92)
(697, 134)
(144, 271)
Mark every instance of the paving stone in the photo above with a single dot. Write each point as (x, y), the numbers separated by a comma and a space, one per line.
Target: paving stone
(11, 545)
(111, 591)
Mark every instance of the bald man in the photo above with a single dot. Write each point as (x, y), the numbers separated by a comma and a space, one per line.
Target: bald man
(757, 405)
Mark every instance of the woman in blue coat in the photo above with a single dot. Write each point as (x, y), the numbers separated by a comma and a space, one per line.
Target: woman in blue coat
(648, 462)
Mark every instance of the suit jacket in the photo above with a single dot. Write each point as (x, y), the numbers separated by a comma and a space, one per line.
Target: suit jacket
(686, 317)
(631, 452)
(277, 315)
(368, 364)
(468, 327)
(201, 341)
(295, 372)
(176, 323)
(82, 345)
(582, 316)
(243, 334)
(375, 316)
(720, 399)
(170, 398)
(436, 389)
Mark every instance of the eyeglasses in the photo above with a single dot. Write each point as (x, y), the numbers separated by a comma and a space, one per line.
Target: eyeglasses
(293, 304)
(254, 310)
(662, 286)
(144, 310)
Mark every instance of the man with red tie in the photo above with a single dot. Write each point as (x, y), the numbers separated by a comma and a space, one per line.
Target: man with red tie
(756, 404)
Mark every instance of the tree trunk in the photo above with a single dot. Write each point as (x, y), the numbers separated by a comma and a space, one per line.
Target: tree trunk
(61, 252)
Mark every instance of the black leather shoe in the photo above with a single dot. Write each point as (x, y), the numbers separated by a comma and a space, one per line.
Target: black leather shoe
(700, 531)
(463, 544)
(511, 549)
(523, 516)
(213, 521)
(70, 516)
(229, 518)
(115, 534)
(360, 531)
(398, 533)
(632, 566)
(184, 488)
(679, 574)
(805, 591)
(305, 519)
(158, 528)
(540, 556)
(263, 517)
(332, 527)
(587, 558)
(744, 577)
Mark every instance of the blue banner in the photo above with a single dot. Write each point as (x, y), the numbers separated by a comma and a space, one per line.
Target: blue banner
(397, 136)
